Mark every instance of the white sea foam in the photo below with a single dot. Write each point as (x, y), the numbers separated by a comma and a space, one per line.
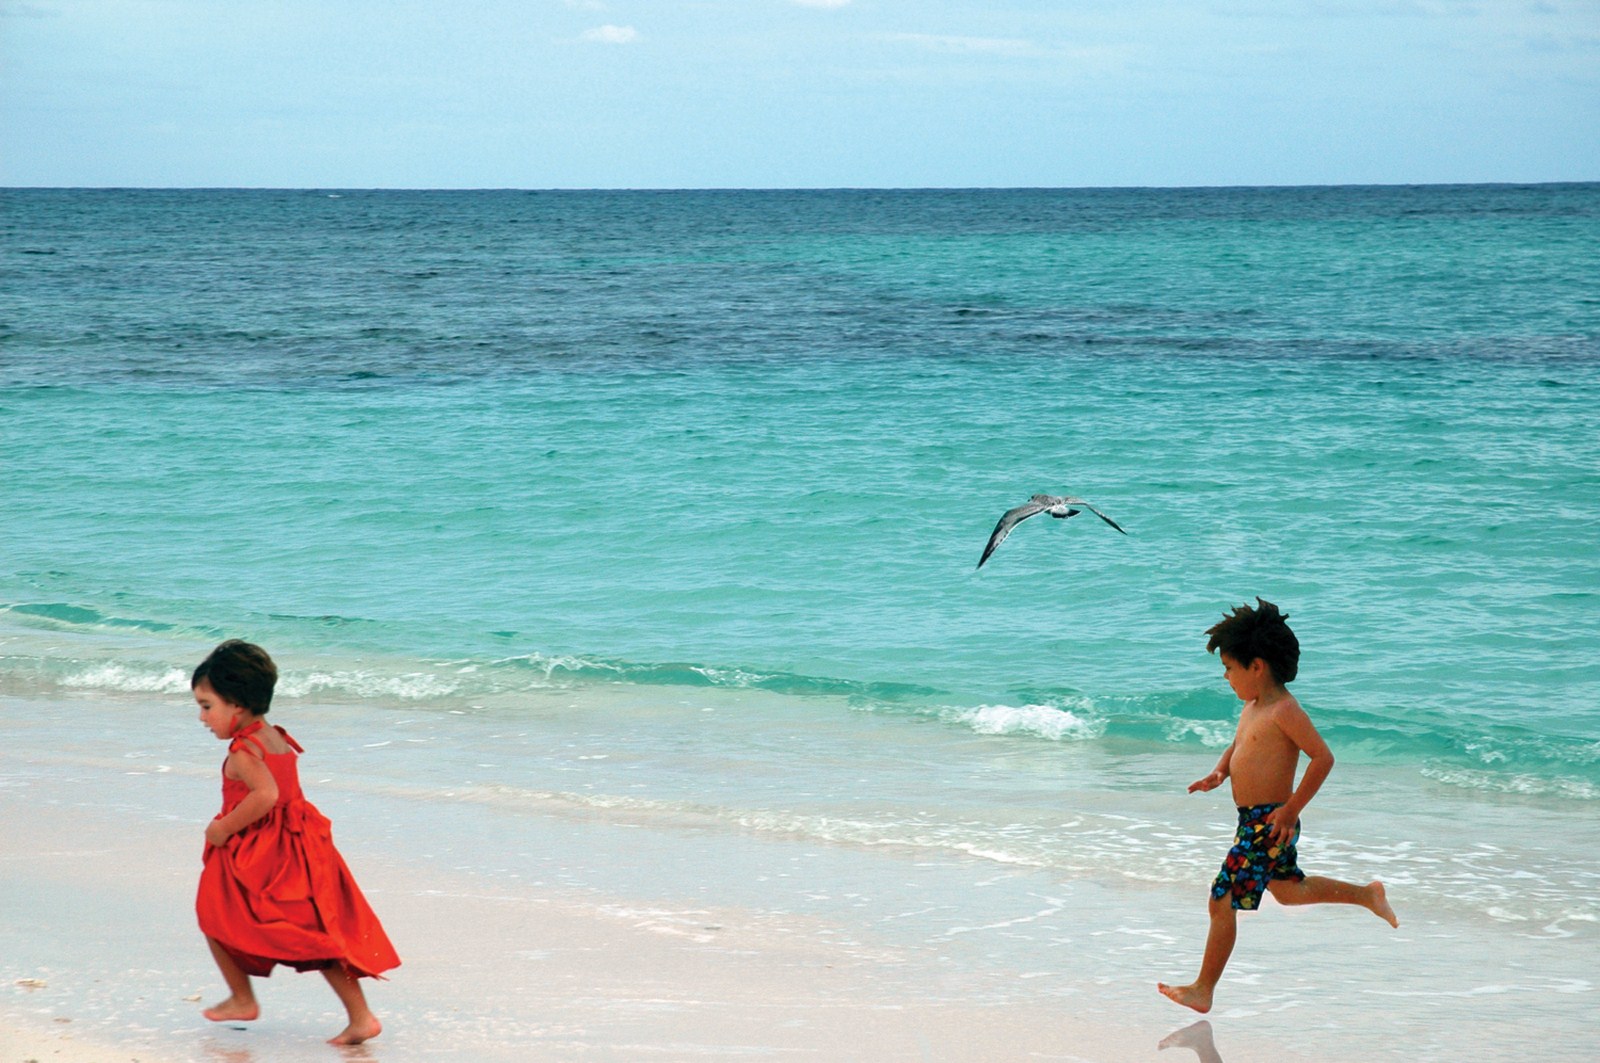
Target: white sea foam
(151, 678)
(549, 664)
(733, 677)
(411, 686)
(1521, 783)
(129, 679)
(1215, 735)
(1044, 721)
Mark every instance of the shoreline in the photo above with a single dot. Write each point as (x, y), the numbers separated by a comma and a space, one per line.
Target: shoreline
(498, 966)
(540, 930)
(492, 972)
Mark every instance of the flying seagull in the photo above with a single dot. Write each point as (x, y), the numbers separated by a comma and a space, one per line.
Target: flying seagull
(1059, 506)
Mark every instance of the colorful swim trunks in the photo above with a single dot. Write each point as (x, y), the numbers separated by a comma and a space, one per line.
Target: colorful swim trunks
(1255, 860)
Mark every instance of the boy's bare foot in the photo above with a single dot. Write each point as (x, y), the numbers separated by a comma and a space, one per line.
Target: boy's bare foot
(1380, 905)
(233, 1010)
(362, 1029)
(1190, 996)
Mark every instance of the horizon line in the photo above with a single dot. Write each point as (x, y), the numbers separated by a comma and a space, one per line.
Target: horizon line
(793, 188)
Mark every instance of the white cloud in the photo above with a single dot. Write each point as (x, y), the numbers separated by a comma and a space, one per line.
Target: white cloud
(612, 34)
(21, 9)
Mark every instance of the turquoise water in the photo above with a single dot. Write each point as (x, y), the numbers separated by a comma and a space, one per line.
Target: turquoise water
(604, 538)
(759, 439)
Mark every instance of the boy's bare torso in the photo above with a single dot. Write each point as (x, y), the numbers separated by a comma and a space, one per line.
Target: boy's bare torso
(1264, 757)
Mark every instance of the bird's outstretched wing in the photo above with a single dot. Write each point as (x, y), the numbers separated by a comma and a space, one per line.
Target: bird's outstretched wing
(1011, 519)
(1069, 500)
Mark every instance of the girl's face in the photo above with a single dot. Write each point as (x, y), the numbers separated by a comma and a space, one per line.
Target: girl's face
(217, 713)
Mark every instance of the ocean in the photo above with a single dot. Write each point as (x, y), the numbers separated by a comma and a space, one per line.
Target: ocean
(665, 507)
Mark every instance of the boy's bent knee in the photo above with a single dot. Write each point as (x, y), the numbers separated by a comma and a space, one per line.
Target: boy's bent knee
(1285, 891)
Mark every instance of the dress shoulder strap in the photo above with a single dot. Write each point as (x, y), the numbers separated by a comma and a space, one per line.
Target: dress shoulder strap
(287, 737)
(244, 740)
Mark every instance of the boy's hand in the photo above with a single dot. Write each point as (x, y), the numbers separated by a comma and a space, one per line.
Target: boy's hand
(1281, 822)
(1210, 782)
(216, 834)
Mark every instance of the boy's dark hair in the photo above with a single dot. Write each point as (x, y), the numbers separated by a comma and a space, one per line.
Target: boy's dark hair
(1247, 634)
(240, 672)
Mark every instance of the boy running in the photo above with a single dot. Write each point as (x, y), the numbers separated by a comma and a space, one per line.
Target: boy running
(1259, 655)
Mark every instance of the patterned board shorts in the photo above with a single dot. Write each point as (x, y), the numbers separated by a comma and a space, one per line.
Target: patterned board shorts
(1255, 860)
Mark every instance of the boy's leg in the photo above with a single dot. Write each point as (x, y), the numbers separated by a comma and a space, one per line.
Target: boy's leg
(1318, 889)
(1219, 946)
(364, 1025)
(241, 1006)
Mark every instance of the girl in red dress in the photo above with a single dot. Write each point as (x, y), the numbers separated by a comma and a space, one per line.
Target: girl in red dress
(274, 889)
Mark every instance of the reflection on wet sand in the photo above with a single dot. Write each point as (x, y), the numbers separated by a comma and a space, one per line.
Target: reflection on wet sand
(217, 1052)
(227, 1053)
(1196, 1036)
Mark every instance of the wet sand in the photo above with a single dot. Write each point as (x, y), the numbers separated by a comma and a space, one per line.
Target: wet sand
(116, 970)
(635, 938)
(100, 958)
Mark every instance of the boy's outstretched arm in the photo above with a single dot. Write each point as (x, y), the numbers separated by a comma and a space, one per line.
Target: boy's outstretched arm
(1218, 774)
(1294, 723)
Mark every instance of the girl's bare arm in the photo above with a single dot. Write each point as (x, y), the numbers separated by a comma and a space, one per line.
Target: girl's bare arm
(254, 773)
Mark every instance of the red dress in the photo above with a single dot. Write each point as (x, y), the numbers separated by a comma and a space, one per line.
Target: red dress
(278, 891)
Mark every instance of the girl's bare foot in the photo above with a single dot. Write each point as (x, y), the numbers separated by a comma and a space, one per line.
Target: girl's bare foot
(1380, 904)
(1190, 996)
(363, 1029)
(234, 1009)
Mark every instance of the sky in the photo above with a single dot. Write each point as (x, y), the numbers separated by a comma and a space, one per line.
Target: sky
(796, 93)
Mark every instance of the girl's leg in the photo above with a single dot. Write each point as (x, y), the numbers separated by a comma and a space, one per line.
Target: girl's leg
(363, 1024)
(241, 1006)
(1317, 889)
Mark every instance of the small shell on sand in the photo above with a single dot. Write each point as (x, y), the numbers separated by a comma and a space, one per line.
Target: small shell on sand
(30, 983)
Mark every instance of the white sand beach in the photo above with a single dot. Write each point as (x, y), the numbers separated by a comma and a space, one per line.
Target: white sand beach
(645, 946)
(115, 970)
